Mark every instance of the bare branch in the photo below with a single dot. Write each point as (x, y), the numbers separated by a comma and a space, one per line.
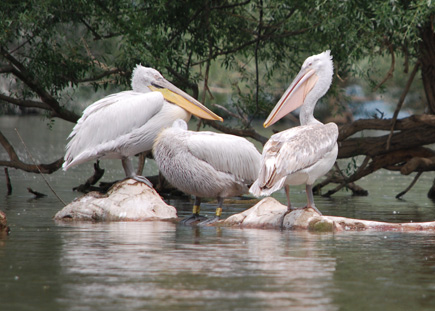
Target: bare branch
(101, 75)
(412, 122)
(401, 194)
(401, 101)
(391, 70)
(262, 38)
(419, 164)
(15, 162)
(239, 132)
(21, 72)
(6, 69)
(230, 6)
(229, 112)
(24, 103)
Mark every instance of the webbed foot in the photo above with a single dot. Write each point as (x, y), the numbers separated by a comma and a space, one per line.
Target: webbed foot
(192, 218)
(209, 221)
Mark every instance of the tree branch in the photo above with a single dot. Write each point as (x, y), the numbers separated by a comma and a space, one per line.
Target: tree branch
(374, 146)
(24, 103)
(15, 162)
(21, 72)
(391, 70)
(262, 38)
(414, 121)
(401, 101)
(239, 132)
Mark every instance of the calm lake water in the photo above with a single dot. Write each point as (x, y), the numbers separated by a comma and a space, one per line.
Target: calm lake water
(163, 266)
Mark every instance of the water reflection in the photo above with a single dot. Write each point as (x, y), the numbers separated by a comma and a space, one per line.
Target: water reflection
(176, 267)
(163, 266)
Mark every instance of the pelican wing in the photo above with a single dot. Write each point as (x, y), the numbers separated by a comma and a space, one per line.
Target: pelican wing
(293, 150)
(110, 118)
(226, 153)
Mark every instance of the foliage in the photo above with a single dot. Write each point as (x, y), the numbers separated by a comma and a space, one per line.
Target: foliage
(51, 46)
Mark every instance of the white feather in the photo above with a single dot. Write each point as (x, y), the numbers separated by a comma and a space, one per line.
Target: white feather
(206, 164)
(123, 124)
(302, 154)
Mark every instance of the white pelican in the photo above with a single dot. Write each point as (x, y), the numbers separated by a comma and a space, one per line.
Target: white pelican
(124, 124)
(302, 154)
(206, 164)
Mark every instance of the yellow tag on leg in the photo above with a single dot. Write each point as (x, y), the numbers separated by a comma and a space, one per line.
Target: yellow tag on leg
(196, 209)
(219, 211)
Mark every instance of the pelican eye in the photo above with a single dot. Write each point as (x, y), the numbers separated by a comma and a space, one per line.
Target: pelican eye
(156, 85)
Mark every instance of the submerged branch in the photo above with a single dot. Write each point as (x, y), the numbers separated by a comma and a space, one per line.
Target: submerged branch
(401, 194)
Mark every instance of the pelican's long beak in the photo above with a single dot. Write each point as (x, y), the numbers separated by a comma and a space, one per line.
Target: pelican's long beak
(176, 96)
(294, 96)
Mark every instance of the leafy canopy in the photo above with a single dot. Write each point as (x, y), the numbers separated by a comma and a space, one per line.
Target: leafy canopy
(48, 46)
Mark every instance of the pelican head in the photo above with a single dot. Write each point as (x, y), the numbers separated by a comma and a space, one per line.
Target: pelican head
(143, 77)
(147, 79)
(310, 84)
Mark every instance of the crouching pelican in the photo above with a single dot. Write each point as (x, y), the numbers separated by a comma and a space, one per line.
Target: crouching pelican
(124, 124)
(302, 154)
(206, 164)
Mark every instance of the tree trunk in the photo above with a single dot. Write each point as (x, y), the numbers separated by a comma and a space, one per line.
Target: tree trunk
(427, 59)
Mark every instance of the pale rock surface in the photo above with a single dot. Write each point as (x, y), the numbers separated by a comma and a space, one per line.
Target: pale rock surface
(265, 214)
(269, 213)
(128, 200)
(4, 228)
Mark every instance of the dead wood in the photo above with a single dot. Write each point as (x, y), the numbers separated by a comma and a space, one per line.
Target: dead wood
(15, 162)
(401, 194)
(374, 146)
(431, 192)
(418, 164)
(37, 194)
(401, 101)
(411, 122)
(394, 161)
(88, 185)
(8, 181)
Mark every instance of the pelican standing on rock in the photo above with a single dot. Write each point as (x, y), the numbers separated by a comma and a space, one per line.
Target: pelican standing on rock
(302, 154)
(124, 124)
(206, 164)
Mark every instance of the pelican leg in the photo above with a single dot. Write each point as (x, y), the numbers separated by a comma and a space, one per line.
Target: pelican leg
(129, 172)
(310, 198)
(215, 218)
(195, 214)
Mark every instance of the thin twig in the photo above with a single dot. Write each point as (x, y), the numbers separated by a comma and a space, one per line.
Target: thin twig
(398, 196)
(350, 179)
(36, 193)
(401, 101)
(234, 115)
(391, 70)
(34, 162)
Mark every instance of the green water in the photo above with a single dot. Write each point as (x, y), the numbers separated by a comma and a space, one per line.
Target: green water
(163, 266)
